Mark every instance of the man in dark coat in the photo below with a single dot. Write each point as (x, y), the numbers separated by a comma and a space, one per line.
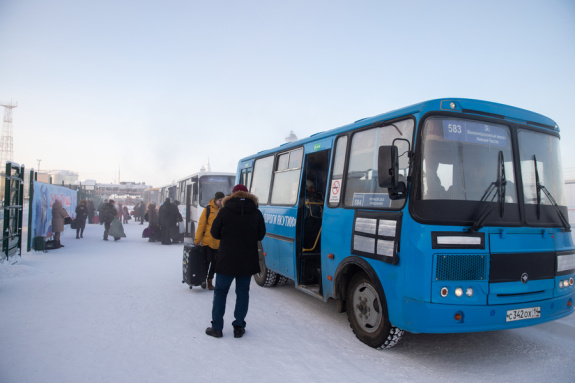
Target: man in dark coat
(91, 210)
(100, 210)
(239, 226)
(168, 216)
(107, 215)
(142, 209)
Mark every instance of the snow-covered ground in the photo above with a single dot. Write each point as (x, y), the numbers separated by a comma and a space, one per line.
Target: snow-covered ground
(97, 311)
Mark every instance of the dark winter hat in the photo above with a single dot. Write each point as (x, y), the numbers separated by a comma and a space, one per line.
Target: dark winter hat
(240, 187)
(111, 201)
(219, 195)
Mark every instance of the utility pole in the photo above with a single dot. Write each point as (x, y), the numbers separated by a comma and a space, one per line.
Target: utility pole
(6, 142)
(38, 171)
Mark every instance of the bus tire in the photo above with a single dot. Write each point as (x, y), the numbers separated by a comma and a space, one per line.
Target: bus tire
(281, 281)
(266, 277)
(367, 314)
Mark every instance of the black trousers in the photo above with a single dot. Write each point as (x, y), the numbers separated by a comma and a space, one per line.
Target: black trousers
(210, 256)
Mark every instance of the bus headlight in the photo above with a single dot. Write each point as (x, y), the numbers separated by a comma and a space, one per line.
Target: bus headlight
(571, 281)
(469, 292)
(458, 292)
(561, 284)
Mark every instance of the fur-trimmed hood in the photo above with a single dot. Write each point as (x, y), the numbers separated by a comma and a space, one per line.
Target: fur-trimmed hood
(241, 202)
(240, 195)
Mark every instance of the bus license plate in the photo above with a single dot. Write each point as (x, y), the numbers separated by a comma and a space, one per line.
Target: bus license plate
(526, 313)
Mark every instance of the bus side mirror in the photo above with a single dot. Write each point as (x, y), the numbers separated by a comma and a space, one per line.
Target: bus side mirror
(387, 167)
(388, 172)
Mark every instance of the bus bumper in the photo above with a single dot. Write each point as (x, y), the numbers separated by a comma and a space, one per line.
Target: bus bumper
(424, 317)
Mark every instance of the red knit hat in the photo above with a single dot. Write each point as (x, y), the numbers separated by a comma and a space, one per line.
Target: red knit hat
(239, 187)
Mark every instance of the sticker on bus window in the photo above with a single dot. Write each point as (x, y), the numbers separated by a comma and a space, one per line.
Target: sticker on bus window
(474, 132)
(335, 191)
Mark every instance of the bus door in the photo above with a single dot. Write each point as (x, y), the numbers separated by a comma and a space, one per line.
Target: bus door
(310, 214)
(188, 202)
(194, 207)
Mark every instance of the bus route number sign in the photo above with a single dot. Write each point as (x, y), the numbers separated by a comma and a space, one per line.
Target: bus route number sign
(474, 132)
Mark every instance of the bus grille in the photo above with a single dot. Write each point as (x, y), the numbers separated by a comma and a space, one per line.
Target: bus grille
(461, 267)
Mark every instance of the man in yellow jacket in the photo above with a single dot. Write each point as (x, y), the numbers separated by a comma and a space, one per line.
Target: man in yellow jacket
(204, 237)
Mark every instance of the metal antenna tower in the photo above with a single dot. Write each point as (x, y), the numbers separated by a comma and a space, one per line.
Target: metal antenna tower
(6, 142)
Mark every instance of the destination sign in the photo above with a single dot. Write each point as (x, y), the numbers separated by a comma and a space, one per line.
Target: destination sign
(475, 132)
(371, 199)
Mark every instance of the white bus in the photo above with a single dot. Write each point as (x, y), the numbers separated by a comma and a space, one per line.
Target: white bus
(195, 191)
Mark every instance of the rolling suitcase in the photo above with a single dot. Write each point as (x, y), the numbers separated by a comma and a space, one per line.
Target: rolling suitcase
(193, 268)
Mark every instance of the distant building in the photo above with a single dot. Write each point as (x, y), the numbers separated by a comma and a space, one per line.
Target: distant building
(62, 177)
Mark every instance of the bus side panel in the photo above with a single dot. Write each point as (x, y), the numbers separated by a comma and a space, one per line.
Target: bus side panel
(338, 221)
(279, 244)
(335, 239)
(272, 258)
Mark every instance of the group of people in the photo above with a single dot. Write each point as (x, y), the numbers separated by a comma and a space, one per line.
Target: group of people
(229, 230)
(140, 212)
(59, 216)
(163, 223)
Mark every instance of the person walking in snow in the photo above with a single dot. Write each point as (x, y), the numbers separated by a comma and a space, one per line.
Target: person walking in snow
(239, 226)
(100, 210)
(107, 215)
(91, 210)
(152, 218)
(126, 214)
(168, 215)
(204, 236)
(58, 216)
(142, 209)
(81, 215)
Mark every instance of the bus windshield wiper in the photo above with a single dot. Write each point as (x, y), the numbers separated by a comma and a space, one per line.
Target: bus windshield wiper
(498, 185)
(540, 187)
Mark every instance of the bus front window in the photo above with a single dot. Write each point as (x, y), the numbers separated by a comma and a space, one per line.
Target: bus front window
(462, 161)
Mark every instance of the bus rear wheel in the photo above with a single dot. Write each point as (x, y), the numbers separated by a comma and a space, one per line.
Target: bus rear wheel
(266, 277)
(367, 314)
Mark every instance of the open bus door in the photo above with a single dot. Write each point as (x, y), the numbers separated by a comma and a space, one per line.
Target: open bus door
(313, 190)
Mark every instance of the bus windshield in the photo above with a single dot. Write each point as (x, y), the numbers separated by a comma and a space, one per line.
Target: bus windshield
(461, 160)
(467, 162)
(209, 185)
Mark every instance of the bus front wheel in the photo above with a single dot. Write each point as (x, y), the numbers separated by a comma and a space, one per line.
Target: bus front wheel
(367, 314)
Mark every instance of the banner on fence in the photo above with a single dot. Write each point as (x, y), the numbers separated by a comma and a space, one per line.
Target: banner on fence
(44, 197)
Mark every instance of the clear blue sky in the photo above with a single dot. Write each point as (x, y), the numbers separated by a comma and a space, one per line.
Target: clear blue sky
(153, 88)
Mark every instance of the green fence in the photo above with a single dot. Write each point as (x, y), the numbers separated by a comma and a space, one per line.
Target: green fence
(12, 192)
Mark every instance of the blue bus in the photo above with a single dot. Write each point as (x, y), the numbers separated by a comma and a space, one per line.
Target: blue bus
(447, 216)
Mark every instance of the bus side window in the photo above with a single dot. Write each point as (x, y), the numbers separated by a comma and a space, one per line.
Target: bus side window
(338, 166)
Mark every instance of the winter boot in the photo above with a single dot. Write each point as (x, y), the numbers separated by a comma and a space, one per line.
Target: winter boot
(210, 285)
(215, 333)
(239, 331)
